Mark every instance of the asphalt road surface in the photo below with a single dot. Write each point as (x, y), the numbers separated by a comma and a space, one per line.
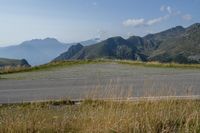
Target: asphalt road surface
(98, 80)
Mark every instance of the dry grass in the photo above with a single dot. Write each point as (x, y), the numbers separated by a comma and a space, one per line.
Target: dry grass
(159, 64)
(10, 69)
(97, 116)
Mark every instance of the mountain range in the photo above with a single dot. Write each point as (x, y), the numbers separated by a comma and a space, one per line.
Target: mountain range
(39, 51)
(177, 44)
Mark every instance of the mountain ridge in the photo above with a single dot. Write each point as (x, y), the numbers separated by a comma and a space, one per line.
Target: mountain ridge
(5, 62)
(177, 44)
(39, 51)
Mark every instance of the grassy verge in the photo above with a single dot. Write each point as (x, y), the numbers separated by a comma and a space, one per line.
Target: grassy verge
(103, 117)
(49, 66)
(158, 64)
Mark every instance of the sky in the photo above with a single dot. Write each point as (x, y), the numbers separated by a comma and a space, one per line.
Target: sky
(78, 20)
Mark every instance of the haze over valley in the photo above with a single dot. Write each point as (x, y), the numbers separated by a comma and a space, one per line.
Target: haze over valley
(39, 51)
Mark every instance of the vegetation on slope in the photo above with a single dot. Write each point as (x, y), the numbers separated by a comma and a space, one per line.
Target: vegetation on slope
(159, 64)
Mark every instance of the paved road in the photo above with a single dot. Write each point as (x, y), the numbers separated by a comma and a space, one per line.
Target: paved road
(98, 80)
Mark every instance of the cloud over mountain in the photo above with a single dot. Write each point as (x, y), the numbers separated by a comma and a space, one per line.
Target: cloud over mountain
(134, 22)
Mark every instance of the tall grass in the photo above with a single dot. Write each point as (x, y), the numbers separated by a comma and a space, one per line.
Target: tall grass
(95, 115)
(10, 69)
(103, 116)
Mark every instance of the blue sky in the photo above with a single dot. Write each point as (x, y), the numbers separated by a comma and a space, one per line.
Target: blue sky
(77, 20)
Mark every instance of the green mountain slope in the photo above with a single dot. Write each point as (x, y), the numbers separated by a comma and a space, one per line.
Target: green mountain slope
(182, 48)
(177, 44)
(70, 53)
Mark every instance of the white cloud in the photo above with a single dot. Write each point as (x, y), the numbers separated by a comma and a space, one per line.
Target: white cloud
(168, 9)
(170, 13)
(154, 21)
(187, 17)
(157, 20)
(143, 22)
(134, 22)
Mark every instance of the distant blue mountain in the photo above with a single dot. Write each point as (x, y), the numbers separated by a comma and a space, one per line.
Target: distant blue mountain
(39, 51)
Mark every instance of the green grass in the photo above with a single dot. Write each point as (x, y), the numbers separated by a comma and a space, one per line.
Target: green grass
(158, 64)
(52, 65)
(102, 117)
